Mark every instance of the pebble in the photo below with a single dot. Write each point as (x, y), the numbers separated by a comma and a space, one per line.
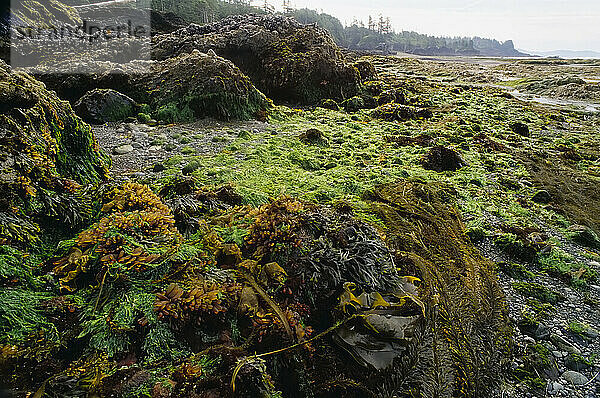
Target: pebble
(123, 149)
(556, 387)
(155, 148)
(575, 378)
(138, 136)
(563, 344)
(529, 340)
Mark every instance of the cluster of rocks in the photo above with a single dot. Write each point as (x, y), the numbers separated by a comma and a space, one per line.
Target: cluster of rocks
(181, 88)
(286, 60)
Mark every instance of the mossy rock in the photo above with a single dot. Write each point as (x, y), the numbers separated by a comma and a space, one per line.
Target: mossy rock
(286, 60)
(442, 159)
(46, 153)
(202, 85)
(330, 104)
(366, 69)
(353, 104)
(104, 105)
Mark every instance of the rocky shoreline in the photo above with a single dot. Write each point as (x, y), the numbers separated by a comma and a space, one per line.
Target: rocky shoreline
(347, 226)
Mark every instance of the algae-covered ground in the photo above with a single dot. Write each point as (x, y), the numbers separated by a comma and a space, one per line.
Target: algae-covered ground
(530, 196)
(218, 244)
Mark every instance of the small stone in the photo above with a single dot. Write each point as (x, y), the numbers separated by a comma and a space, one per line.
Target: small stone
(563, 344)
(155, 148)
(139, 136)
(575, 378)
(557, 354)
(123, 149)
(137, 145)
(520, 128)
(529, 340)
(557, 387)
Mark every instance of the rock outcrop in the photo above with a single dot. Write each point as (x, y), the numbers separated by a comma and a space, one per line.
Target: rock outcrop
(286, 60)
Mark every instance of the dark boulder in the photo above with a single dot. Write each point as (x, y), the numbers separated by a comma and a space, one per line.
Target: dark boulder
(286, 60)
(104, 105)
(542, 197)
(313, 137)
(441, 159)
(520, 128)
(366, 69)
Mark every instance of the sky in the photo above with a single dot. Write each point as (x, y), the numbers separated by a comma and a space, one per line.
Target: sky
(535, 25)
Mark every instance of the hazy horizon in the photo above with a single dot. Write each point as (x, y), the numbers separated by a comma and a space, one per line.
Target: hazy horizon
(564, 25)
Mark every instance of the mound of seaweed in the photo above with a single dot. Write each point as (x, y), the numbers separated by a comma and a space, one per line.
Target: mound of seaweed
(461, 345)
(46, 153)
(182, 88)
(572, 192)
(129, 304)
(286, 60)
(286, 299)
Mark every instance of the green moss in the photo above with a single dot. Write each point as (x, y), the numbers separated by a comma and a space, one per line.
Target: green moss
(516, 271)
(515, 247)
(561, 264)
(143, 117)
(537, 291)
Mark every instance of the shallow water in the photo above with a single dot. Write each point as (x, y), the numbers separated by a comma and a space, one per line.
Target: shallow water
(579, 105)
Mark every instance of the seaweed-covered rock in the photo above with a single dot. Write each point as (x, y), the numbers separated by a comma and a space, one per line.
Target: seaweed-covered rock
(441, 159)
(396, 112)
(182, 88)
(46, 152)
(520, 128)
(330, 104)
(313, 137)
(353, 104)
(104, 105)
(286, 60)
(366, 69)
(201, 85)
